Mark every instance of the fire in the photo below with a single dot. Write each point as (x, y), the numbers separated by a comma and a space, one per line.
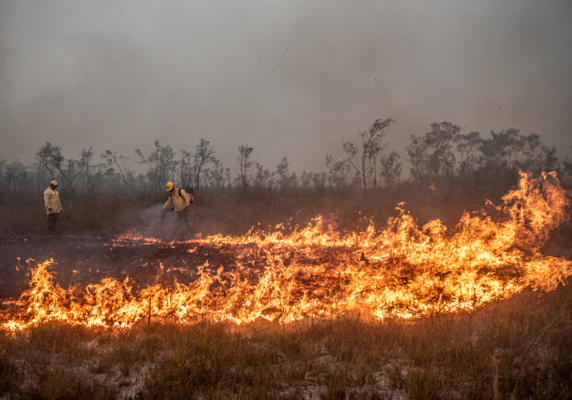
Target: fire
(401, 272)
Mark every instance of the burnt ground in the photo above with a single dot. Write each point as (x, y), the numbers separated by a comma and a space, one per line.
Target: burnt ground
(95, 258)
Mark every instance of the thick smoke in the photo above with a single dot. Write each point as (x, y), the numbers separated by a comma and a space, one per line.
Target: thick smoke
(290, 78)
(167, 228)
(153, 226)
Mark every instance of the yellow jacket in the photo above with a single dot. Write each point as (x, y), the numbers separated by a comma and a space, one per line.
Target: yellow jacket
(179, 202)
(52, 199)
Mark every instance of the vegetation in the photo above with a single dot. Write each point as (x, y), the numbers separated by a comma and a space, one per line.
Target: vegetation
(448, 171)
(514, 349)
(443, 157)
(520, 348)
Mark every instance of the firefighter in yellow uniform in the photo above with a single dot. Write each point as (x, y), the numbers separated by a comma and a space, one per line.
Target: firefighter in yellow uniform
(179, 202)
(53, 205)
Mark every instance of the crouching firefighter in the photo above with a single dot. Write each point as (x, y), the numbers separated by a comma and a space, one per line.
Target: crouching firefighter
(179, 202)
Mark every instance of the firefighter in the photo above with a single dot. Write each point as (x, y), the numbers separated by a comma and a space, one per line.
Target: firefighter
(53, 206)
(179, 202)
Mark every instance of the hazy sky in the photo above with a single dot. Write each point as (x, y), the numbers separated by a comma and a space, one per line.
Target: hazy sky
(290, 78)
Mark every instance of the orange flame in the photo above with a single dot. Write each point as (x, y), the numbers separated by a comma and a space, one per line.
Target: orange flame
(403, 272)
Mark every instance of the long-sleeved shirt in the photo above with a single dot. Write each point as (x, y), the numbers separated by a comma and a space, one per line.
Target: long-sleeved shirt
(177, 200)
(52, 201)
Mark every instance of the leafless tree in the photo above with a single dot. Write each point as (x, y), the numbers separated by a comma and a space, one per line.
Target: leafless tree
(215, 175)
(111, 159)
(259, 175)
(51, 156)
(283, 171)
(390, 168)
(161, 163)
(337, 171)
(186, 170)
(371, 146)
(319, 179)
(44, 157)
(203, 154)
(15, 171)
(244, 165)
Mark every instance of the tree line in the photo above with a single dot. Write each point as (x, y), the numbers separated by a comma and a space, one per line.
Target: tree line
(456, 161)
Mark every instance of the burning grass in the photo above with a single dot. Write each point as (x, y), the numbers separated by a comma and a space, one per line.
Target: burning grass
(403, 271)
(444, 357)
(315, 313)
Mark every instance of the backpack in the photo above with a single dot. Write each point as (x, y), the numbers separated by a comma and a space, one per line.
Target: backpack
(189, 198)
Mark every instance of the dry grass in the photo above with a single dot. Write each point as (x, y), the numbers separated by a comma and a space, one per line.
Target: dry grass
(529, 338)
(227, 211)
(521, 348)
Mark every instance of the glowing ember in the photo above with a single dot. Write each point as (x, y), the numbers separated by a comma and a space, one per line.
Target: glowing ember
(403, 271)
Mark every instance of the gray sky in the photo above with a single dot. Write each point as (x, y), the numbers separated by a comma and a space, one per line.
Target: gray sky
(290, 78)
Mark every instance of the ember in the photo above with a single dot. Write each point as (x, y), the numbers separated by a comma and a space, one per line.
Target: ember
(401, 272)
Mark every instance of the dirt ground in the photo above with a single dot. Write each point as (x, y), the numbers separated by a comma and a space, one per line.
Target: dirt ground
(83, 260)
(95, 258)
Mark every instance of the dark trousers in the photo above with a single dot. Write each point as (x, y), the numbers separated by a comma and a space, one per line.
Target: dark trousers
(52, 221)
(185, 217)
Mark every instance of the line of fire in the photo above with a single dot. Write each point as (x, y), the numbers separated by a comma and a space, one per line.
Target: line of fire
(401, 272)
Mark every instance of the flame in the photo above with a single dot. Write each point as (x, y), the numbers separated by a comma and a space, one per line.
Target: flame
(401, 272)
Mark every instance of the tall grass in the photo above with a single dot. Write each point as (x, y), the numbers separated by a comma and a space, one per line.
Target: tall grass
(521, 348)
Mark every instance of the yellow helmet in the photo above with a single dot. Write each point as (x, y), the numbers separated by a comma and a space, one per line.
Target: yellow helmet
(54, 182)
(170, 186)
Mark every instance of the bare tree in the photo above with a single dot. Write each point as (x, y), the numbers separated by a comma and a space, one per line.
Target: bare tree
(282, 170)
(337, 171)
(293, 180)
(14, 172)
(216, 174)
(186, 169)
(203, 154)
(161, 163)
(45, 155)
(228, 177)
(39, 169)
(371, 146)
(390, 168)
(440, 139)
(306, 179)
(41, 165)
(244, 165)
(111, 159)
(52, 156)
(319, 179)
(417, 157)
(431, 155)
(259, 176)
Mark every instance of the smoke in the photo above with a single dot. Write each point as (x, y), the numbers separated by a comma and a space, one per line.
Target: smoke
(290, 78)
(152, 218)
(152, 215)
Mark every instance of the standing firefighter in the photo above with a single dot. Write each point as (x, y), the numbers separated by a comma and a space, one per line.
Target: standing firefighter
(53, 206)
(179, 202)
